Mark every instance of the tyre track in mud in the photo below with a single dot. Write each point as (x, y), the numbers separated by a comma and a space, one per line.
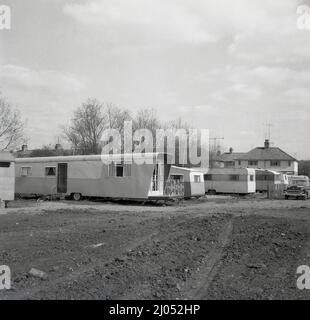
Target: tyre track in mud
(197, 287)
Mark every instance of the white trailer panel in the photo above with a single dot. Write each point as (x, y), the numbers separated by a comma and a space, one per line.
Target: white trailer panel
(230, 180)
(7, 176)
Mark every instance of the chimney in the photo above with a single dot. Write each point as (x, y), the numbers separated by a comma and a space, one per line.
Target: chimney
(231, 150)
(24, 147)
(267, 144)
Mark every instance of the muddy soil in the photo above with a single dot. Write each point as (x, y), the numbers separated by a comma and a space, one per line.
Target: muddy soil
(212, 248)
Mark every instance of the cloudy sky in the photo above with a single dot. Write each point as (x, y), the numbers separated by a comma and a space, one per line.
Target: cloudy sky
(225, 65)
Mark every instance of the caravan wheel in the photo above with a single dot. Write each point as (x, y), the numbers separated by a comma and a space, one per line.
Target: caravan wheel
(76, 196)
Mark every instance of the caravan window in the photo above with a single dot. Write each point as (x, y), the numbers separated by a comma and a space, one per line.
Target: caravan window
(176, 177)
(253, 163)
(25, 171)
(208, 177)
(50, 171)
(119, 170)
(234, 177)
(197, 178)
(5, 164)
(251, 177)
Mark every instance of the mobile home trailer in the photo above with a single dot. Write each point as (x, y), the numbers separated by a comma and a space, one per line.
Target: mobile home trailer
(230, 180)
(7, 177)
(191, 180)
(266, 179)
(93, 176)
(302, 181)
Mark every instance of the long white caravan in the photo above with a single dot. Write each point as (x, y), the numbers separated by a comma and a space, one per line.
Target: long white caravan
(7, 177)
(230, 180)
(92, 176)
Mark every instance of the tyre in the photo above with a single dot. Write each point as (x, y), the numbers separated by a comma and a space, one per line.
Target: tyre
(76, 196)
(286, 197)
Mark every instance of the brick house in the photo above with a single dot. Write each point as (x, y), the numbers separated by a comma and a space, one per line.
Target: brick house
(271, 158)
(227, 159)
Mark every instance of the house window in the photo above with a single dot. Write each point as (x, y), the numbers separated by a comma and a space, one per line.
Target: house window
(119, 170)
(239, 162)
(25, 171)
(234, 177)
(50, 171)
(289, 163)
(208, 177)
(197, 178)
(229, 164)
(5, 164)
(253, 163)
(275, 163)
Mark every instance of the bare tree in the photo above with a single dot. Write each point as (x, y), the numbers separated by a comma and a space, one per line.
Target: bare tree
(116, 117)
(86, 127)
(89, 122)
(176, 125)
(147, 119)
(11, 126)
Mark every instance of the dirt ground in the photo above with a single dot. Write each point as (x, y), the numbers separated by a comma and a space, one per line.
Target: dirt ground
(211, 248)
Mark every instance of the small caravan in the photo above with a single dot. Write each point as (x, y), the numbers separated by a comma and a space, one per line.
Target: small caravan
(302, 181)
(266, 179)
(143, 178)
(230, 180)
(7, 177)
(191, 180)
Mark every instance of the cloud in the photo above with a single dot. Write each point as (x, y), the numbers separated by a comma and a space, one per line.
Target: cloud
(45, 98)
(171, 22)
(142, 22)
(52, 82)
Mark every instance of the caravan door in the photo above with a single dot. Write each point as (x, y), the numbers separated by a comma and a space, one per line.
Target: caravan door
(157, 183)
(62, 178)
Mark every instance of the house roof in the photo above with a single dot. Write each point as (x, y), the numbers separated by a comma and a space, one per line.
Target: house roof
(271, 153)
(229, 156)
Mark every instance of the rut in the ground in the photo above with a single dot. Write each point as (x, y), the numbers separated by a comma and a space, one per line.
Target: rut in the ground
(197, 288)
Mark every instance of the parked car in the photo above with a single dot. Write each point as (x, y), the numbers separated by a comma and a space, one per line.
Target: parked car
(297, 192)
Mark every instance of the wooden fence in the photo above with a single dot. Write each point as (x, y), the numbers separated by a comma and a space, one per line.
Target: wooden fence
(275, 191)
(174, 188)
